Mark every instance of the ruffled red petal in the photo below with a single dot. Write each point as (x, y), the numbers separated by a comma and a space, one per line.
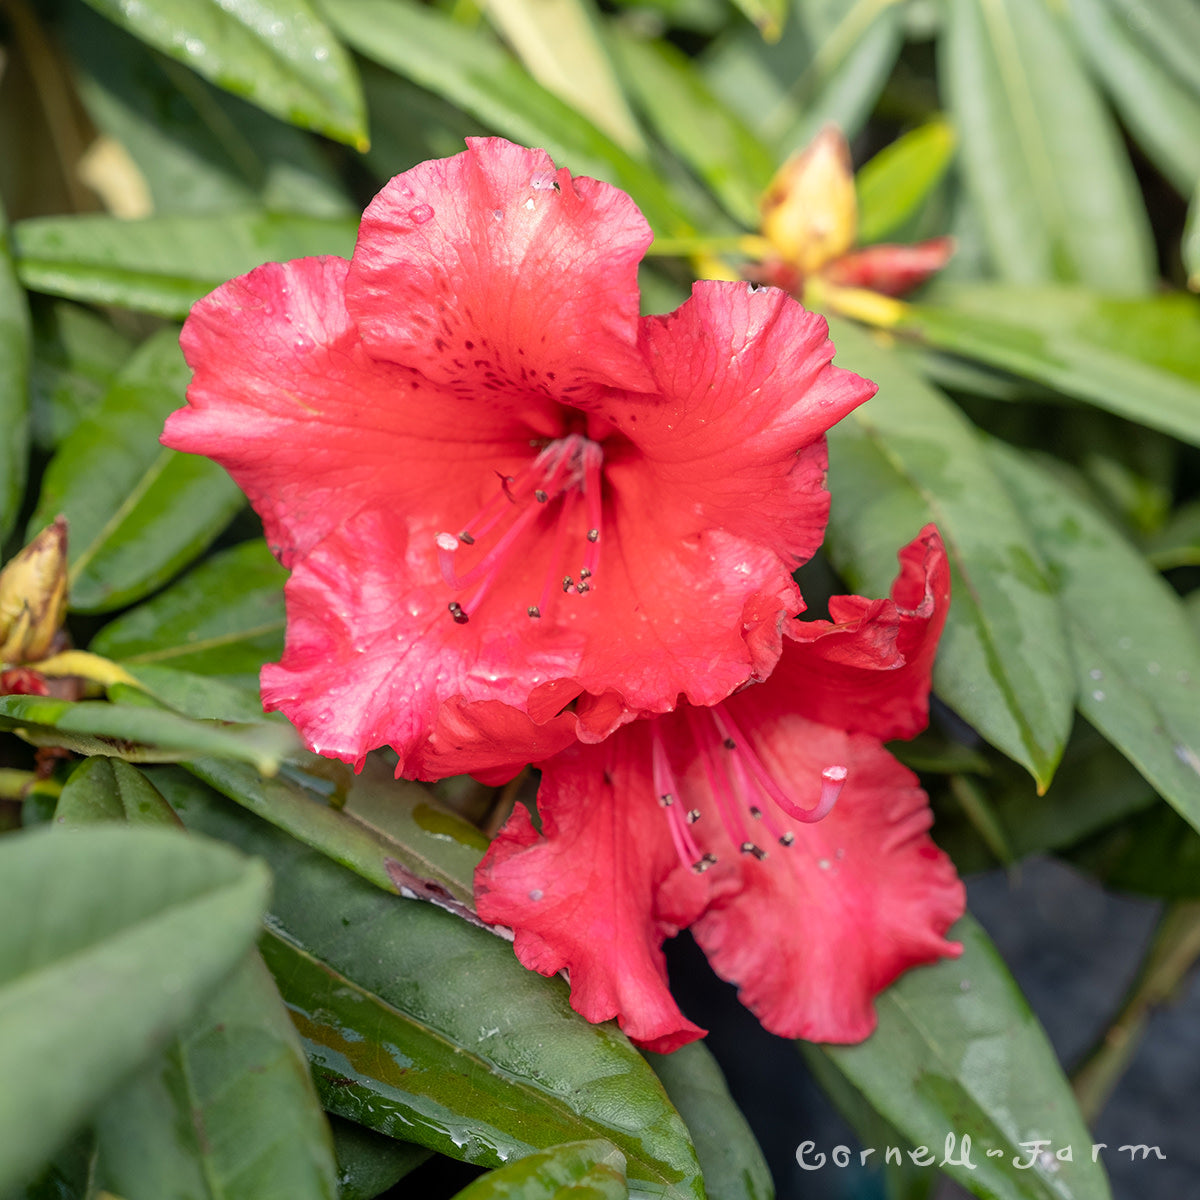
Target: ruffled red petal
(492, 272)
(869, 669)
(586, 894)
(313, 429)
(734, 437)
(817, 930)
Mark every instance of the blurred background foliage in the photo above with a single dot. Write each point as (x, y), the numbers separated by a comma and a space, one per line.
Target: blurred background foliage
(1039, 398)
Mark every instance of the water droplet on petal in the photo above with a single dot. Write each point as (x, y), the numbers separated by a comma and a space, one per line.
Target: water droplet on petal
(497, 213)
(420, 213)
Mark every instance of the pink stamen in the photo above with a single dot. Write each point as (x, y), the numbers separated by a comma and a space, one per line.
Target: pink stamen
(556, 552)
(562, 468)
(595, 507)
(718, 784)
(667, 791)
(765, 780)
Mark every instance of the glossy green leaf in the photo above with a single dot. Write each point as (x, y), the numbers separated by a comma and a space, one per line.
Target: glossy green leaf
(1041, 156)
(137, 511)
(1136, 656)
(425, 1027)
(958, 1052)
(893, 185)
(470, 69)
(908, 457)
(109, 789)
(1137, 358)
(560, 44)
(14, 385)
(224, 617)
(228, 1110)
(139, 734)
(686, 115)
(76, 353)
(389, 831)
(216, 152)
(1160, 111)
(593, 1170)
(368, 1162)
(114, 938)
(163, 265)
(732, 1163)
(277, 53)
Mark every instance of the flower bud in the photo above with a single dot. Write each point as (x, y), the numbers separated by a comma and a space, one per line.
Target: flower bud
(810, 214)
(33, 596)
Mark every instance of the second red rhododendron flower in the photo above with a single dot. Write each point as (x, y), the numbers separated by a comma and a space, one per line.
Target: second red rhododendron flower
(775, 824)
(502, 492)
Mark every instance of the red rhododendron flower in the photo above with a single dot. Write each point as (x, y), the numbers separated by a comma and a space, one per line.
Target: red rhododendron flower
(499, 490)
(774, 824)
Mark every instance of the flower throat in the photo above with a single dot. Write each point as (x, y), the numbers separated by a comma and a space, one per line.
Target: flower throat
(565, 471)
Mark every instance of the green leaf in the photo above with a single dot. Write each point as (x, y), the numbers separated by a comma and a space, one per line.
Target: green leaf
(686, 115)
(1190, 248)
(224, 617)
(895, 183)
(560, 44)
(76, 353)
(732, 1163)
(1170, 29)
(470, 69)
(1138, 358)
(114, 938)
(1136, 656)
(391, 832)
(767, 16)
(209, 697)
(908, 457)
(139, 734)
(427, 1028)
(137, 511)
(855, 47)
(228, 1110)
(593, 1170)
(368, 1162)
(108, 789)
(1161, 112)
(958, 1052)
(163, 265)
(1040, 153)
(215, 152)
(277, 53)
(14, 386)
